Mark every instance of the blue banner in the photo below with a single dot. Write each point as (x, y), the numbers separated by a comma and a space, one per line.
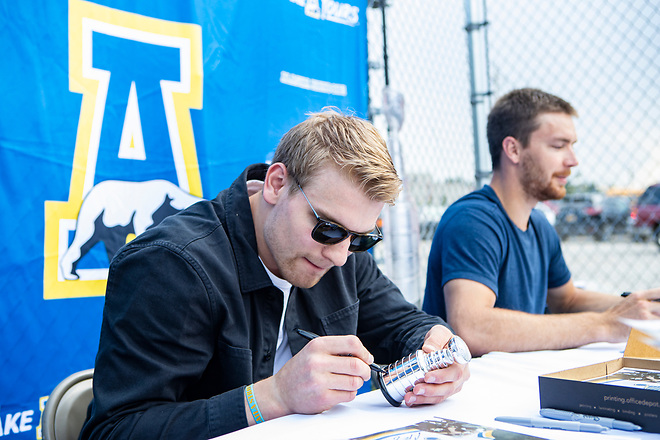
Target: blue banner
(118, 113)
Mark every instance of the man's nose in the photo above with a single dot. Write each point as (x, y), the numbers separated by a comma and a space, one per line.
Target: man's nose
(337, 253)
(571, 159)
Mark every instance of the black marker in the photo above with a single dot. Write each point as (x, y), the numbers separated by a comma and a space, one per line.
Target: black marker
(310, 336)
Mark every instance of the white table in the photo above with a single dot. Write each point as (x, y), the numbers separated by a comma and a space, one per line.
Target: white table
(501, 384)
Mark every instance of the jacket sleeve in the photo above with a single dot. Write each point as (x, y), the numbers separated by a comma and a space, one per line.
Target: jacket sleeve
(388, 325)
(157, 339)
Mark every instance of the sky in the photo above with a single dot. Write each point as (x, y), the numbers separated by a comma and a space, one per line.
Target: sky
(602, 56)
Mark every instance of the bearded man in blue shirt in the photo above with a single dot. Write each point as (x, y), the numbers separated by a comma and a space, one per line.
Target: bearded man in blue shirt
(496, 264)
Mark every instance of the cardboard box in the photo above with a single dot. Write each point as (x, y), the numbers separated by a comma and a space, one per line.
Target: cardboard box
(567, 390)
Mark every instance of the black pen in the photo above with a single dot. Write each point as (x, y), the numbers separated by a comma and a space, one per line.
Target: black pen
(625, 294)
(310, 336)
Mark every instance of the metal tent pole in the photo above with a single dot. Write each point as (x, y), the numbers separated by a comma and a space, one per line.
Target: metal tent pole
(401, 225)
(477, 37)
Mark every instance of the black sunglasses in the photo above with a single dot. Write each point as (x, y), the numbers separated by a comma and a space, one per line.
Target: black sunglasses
(327, 232)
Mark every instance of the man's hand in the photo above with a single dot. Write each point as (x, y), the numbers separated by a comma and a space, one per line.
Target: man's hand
(643, 304)
(442, 383)
(327, 371)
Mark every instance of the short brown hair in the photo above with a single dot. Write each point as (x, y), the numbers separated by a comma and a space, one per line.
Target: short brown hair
(515, 114)
(350, 143)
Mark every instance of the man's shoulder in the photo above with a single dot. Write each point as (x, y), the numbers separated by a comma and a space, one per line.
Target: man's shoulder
(484, 198)
(176, 232)
(477, 205)
(206, 219)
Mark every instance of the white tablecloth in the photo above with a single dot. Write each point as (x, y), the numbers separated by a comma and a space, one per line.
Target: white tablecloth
(501, 384)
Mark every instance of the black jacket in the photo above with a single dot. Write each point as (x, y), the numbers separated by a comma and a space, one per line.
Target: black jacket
(191, 318)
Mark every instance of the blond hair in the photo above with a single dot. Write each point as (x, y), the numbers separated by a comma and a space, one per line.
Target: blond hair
(350, 143)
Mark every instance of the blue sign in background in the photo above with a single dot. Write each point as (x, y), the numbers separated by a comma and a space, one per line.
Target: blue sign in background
(260, 67)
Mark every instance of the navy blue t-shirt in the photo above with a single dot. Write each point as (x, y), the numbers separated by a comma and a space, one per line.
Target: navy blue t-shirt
(476, 240)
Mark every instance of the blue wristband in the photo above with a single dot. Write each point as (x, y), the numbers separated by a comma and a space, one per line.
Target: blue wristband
(252, 403)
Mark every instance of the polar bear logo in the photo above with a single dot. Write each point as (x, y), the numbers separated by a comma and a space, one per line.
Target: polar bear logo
(113, 209)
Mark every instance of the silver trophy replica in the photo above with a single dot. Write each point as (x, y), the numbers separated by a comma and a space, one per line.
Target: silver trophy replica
(401, 376)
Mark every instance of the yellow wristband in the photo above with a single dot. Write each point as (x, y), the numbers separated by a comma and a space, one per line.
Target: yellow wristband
(252, 403)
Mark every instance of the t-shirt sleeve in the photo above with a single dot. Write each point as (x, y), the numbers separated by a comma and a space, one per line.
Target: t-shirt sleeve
(471, 247)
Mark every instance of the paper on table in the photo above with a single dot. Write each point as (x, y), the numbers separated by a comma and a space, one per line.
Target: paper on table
(650, 328)
(441, 428)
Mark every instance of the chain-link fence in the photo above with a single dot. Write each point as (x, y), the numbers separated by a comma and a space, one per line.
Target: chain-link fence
(603, 56)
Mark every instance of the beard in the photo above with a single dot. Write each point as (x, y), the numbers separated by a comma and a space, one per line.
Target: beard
(536, 185)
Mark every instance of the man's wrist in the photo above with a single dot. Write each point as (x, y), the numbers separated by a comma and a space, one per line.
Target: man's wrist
(269, 400)
(252, 405)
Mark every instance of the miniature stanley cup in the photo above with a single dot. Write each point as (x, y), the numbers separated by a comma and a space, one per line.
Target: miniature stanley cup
(401, 376)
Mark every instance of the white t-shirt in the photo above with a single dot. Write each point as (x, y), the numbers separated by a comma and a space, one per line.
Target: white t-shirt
(283, 351)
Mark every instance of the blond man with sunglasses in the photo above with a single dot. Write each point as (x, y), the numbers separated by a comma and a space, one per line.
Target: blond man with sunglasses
(200, 329)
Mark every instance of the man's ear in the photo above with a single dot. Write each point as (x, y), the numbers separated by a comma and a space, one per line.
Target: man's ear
(275, 182)
(511, 148)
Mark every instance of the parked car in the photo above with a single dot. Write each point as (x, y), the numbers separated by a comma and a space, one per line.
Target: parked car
(576, 214)
(593, 214)
(613, 217)
(646, 215)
